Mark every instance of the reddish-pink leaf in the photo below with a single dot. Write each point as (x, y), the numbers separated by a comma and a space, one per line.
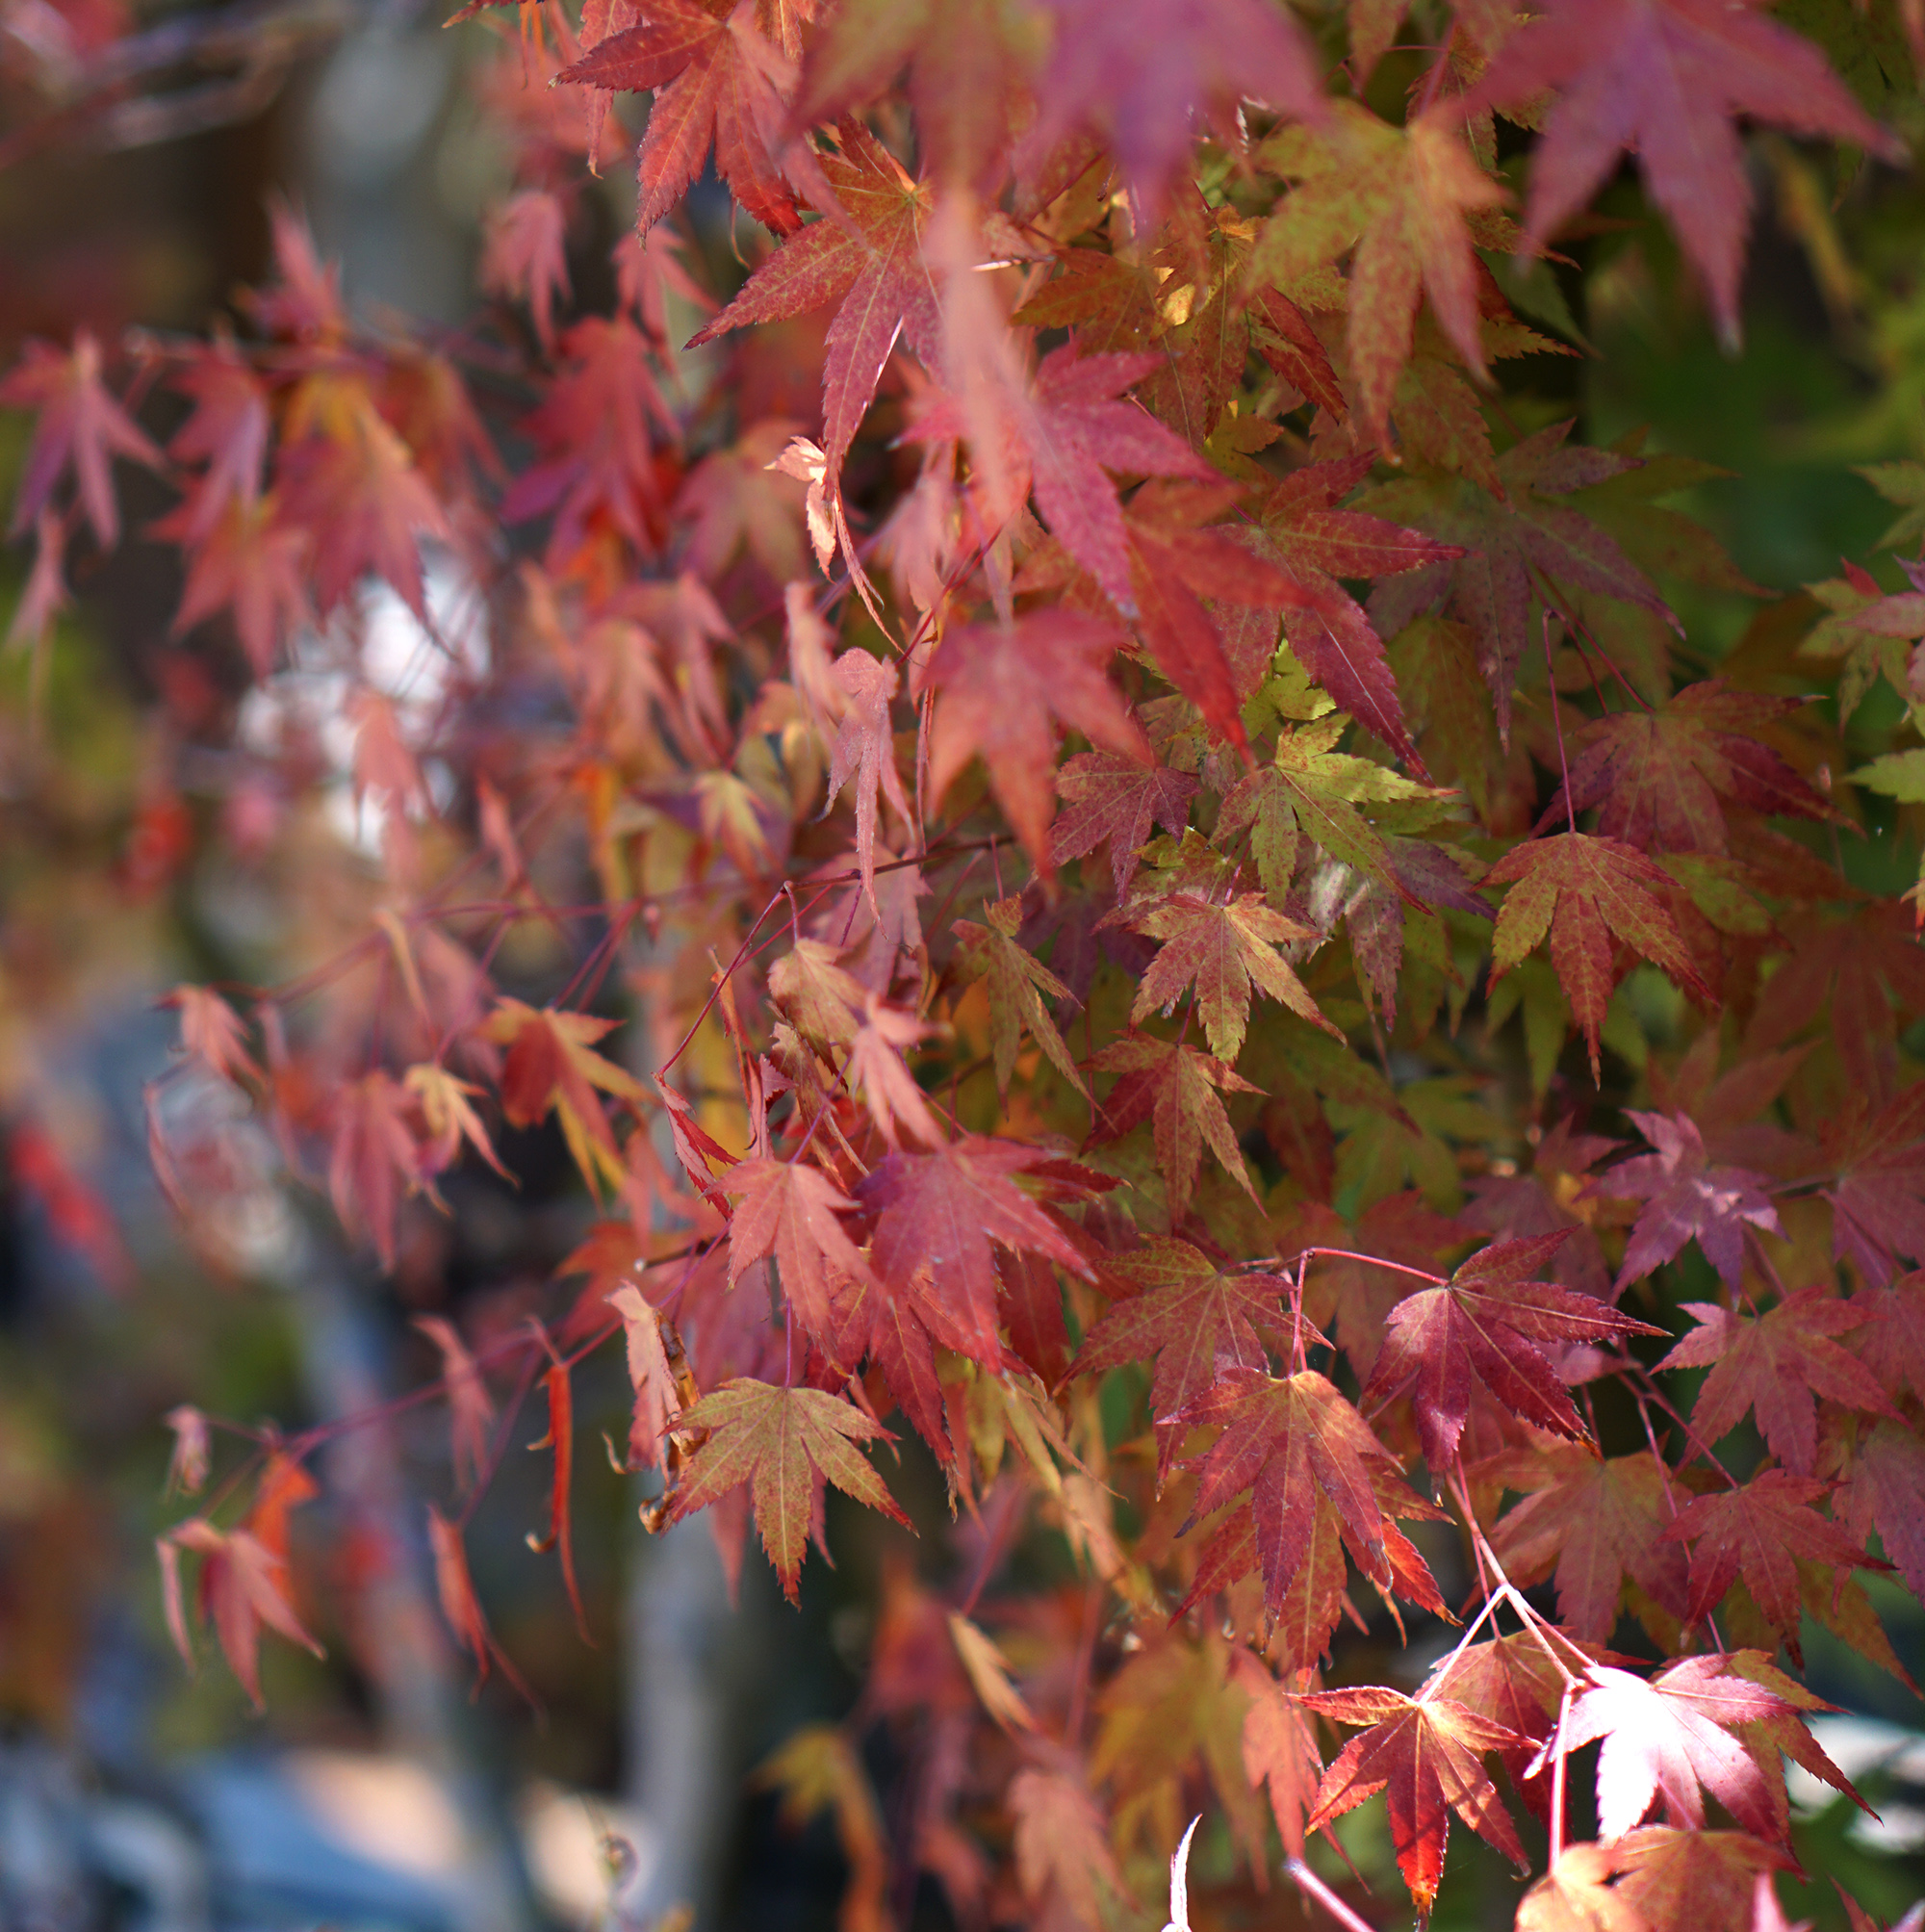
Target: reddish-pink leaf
(1762, 1531)
(1685, 1198)
(1004, 692)
(1488, 1325)
(1195, 1317)
(470, 1407)
(1776, 1365)
(80, 426)
(1142, 69)
(940, 1212)
(715, 80)
(1110, 798)
(1665, 79)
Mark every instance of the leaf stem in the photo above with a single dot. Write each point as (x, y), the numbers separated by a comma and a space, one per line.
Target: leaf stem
(1532, 1621)
(1440, 1671)
(1557, 725)
(1439, 68)
(1306, 1255)
(1558, 1783)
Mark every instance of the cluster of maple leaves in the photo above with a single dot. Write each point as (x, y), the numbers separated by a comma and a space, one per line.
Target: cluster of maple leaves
(1129, 846)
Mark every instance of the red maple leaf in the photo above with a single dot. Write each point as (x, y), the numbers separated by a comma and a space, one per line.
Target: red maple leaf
(350, 483)
(1685, 1198)
(1666, 1738)
(1063, 1857)
(1584, 891)
(1593, 1522)
(1279, 1748)
(1513, 543)
(1656, 776)
(240, 1588)
(1776, 1365)
(1400, 194)
(1176, 564)
(1290, 1442)
(1302, 530)
(1195, 1317)
(247, 562)
(1223, 951)
(784, 1444)
(455, 1586)
(559, 1441)
(1854, 977)
(865, 752)
(526, 255)
(1141, 71)
(1539, 1202)
(1891, 1340)
(1878, 1198)
(1426, 1755)
(967, 62)
(1487, 1325)
(870, 264)
(1761, 1531)
(550, 1062)
(1514, 1681)
(374, 1158)
(714, 79)
(227, 431)
(897, 1327)
(877, 1071)
(657, 1373)
(596, 457)
(1665, 79)
(1173, 1087)
(1691, 1878)
(1112, 799)
(1076, 428)
(790, 1209)
(1884, 1490)
(470, 1409)
(940, 1212)
(1005, 690)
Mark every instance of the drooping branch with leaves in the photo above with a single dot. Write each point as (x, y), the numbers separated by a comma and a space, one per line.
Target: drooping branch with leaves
(1193, 926)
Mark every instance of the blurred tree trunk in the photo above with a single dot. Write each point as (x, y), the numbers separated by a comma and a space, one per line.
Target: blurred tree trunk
(422, 1712)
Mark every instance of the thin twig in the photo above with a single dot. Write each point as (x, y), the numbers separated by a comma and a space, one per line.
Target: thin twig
(1313, 1887)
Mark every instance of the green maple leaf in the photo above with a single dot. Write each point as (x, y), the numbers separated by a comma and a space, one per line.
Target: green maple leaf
(1864, 628)
(1384, 1149)
(1902, 484)
(1312, 791)
(1661, 541)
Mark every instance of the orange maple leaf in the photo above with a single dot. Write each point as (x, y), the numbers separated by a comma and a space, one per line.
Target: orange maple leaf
(784, 1444)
